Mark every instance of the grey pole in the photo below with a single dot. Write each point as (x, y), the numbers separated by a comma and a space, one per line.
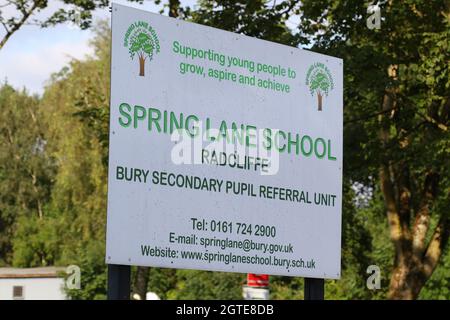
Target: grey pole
(314, 289)
(119, 282)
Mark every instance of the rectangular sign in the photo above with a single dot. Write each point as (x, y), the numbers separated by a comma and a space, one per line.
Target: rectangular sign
(225, 151)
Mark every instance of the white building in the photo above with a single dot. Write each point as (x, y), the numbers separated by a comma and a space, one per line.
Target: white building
(45, 283)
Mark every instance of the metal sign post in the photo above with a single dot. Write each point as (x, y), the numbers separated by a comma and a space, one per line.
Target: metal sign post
(314, 289)
(118, 282)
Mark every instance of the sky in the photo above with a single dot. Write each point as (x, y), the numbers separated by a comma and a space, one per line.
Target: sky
(32, 54)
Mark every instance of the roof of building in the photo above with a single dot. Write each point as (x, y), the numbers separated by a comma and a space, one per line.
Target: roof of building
(42, 272)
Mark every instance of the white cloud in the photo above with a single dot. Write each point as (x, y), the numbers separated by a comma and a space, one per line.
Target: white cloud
(32, 66)
(33, 54)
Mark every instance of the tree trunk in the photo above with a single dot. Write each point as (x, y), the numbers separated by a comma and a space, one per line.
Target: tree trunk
(141, 282)
(407, 280)
(319, 101)
(141, 66)
(174, 6)
(26, 14)
(415, 258)
(398, 289)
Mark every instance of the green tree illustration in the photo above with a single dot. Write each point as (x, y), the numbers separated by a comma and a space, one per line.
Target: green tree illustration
(320, 84)
(142, 46)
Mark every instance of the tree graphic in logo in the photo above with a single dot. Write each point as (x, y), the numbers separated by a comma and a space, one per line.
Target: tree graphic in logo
(320, 82)
(141, 41)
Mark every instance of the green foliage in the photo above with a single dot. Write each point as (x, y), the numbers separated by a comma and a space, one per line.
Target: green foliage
(25, 168)
(161, 281)
(17, 13)
(207, 285)
(141, 44)
(412, 45)
(90, 259)
(438, 287)
(77, 112)
(253, 18)
(37, 241)
(56, 198)
(356, 249)
(381, 249)
(320, 83)
(285, 288)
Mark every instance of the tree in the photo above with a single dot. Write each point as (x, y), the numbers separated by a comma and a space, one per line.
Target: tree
(259, 18)
(25, 169)
(74, 111)
(174, 8)
(396, 120)
(207, 285)
(14, 14)
(141, 45)
(320, 83)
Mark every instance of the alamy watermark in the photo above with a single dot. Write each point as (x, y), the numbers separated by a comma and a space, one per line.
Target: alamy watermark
(374, 280)
(374, 20)
(73, 280)
(198, 148)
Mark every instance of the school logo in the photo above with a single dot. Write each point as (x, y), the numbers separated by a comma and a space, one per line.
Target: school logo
(142, 42)
(320, 82)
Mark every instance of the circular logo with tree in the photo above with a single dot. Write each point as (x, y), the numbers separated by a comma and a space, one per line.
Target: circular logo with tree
(319, 81)
(142, 42)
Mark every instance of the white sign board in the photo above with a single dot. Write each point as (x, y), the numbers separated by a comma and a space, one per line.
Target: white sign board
(225, 151)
